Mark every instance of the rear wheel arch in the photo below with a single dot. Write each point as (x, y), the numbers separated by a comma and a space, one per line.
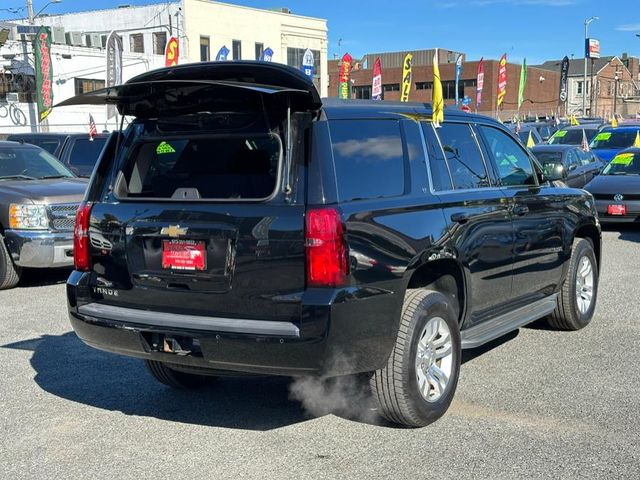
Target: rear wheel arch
(445, 276)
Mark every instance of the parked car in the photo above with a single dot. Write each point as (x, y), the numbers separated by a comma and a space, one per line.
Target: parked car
(568, 163)
(610, 141)
(572, 135)
(617, 189)
(38, 200)
(76, 151)
(289, 235)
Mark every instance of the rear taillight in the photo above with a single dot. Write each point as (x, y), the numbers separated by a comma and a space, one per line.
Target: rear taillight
(326, 250)
(81, 247)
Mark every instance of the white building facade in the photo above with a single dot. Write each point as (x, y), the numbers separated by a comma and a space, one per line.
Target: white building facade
(203, 27)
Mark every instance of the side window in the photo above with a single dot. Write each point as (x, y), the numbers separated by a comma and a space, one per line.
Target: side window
(513, 163)
(369, 158)
(440, 176)
(463, 156)
(572, 159)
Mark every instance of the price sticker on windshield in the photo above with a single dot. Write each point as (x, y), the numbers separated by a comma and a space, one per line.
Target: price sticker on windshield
(560, 134)
(603, 136)
(623, 159)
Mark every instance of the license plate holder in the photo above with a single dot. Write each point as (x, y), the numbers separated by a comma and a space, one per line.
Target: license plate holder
(619, 210)
(184, 255)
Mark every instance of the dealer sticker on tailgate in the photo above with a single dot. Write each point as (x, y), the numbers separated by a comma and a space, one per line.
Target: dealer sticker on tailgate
(183, 255)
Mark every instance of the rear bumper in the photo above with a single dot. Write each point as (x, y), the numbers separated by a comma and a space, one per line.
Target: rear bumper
(37, 249)
(340, 332)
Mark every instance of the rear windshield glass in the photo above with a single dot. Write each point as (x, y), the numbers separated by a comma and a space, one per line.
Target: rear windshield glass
(206, 167)
(49, 144)
(548, 157)
(84, 152)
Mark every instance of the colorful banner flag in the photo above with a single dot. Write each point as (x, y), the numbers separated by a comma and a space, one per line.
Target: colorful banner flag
(267, 55)
(523, 82)
(502, 80)
(172, 52)
(223, 54)
(437, 100)
(114, 66)
(480, 83)
(44, 72)
(307, 63)
(344, 89)
(564, 78)
(376, 88)
(406, 77)
(458, 73)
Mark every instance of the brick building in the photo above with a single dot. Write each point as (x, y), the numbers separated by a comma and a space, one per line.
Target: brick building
(541, 92)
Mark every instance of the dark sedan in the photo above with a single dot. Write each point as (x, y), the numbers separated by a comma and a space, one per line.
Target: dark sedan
(617, 189)
(568, 163)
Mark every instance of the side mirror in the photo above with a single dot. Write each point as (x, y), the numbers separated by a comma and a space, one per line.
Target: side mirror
(572, 167)
(558, 172)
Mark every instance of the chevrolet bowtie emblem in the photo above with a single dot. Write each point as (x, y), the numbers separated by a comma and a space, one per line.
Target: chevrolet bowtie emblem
(173, 231)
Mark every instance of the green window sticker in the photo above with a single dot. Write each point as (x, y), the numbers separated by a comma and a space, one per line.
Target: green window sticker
(164, 147)
(560, 133)
(603, 136)
(623, 159)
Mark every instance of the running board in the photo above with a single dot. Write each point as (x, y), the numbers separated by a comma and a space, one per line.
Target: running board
(496, 327)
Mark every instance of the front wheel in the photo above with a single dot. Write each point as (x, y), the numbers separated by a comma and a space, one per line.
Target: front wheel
(9, 272)
(417, 385)
(577, 299)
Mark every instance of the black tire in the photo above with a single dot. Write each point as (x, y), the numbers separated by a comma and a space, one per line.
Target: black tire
(395, 387)
(567, 315)
(9, 272)
(174, 378)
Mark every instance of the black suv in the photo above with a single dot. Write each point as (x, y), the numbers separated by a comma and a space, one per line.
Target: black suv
(241, 224)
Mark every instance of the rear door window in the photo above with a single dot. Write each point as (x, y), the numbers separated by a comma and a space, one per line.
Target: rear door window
(369, 158)
(440, 175)
(513, 165)
(463, 156)
(216, 167)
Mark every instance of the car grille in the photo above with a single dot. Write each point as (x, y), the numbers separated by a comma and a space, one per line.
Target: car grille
(62, 216)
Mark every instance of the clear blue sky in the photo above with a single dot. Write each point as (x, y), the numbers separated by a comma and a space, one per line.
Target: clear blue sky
(535, 29)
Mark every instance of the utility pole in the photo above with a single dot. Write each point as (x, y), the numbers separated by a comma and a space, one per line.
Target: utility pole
(30, 11)
(615, 95)
(584, 84)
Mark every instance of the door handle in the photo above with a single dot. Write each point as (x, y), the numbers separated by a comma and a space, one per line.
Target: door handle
(520, 210)
(460, 217)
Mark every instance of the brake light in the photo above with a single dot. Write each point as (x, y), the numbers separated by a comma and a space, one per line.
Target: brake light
(81, 247)
(326, 250)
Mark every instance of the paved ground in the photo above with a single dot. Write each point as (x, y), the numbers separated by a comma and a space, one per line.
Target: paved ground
(539, 404)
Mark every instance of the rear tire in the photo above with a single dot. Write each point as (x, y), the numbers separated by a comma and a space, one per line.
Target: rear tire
(9, 272)
(174, 378)
(577, 300)
(418, 383)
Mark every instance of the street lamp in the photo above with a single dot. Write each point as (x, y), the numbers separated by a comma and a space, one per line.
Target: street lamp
(584, 85)
(33, 17)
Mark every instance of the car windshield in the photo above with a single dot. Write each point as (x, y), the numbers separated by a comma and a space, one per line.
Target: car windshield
(571, 137)
(626, 163)
(30, 163)
(612, 139)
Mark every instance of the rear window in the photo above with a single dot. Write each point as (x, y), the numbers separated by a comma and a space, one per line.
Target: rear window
(241, 167)
(369, 159)
(49, 144)
(548, 157)
(84, 152)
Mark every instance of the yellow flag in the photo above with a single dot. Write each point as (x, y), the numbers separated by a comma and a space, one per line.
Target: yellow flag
(530, 142)
(574, 120)
(614, 122)
(636, 143)
(406, 78)
(437, 100)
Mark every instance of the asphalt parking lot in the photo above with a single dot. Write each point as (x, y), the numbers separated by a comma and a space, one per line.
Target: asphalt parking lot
(538, 404)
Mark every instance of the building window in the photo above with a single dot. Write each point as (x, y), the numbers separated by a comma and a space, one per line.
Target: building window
(259, 50)
(205, 54)
(237, 50)
(391, 87)
(136, 43)
(159, 42)
(579, 88)
(85, 85)
(363, 92)
(424, 85)
(104, 41)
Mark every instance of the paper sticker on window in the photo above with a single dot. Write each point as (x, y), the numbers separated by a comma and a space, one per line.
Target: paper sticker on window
(560, 133)
(164, 147)
(603, 136)
(623, 159)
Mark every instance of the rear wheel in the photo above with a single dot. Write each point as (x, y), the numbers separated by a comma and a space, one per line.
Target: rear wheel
(9, 272)
(577, 299)
(417, 385)
(174, 378)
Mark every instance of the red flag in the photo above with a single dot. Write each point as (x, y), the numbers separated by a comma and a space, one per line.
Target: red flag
(93, 131)
(344, 89)
(171, 52)
(502, 79)
(376, 89)
(480, 83)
